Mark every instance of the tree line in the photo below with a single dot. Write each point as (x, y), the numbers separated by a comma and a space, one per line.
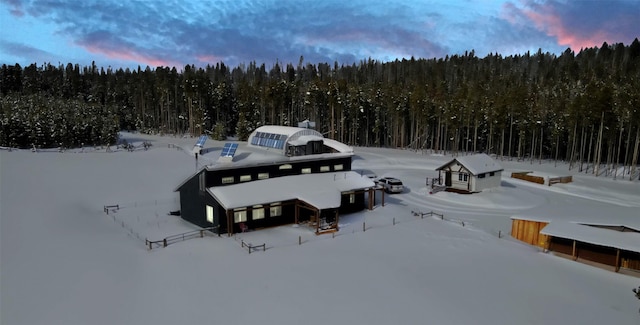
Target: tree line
(582, 108)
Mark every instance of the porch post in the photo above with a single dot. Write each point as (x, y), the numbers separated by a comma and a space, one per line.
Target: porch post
(229, 224)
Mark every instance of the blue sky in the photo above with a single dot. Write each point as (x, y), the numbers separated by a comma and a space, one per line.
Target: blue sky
(178, 32)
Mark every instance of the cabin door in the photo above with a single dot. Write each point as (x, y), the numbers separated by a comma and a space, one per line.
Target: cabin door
(447, 179)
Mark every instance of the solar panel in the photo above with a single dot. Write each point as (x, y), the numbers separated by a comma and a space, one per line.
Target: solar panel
(229, 150)
(201, 141)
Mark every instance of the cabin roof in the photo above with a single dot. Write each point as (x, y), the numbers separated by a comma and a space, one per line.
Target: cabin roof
(603, 237)
(322, 190)
(476, 164)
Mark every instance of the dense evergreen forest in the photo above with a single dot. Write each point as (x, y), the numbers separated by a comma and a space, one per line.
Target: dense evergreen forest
(583, 108)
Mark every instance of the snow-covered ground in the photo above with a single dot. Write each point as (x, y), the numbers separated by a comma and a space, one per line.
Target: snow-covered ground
(63, 260)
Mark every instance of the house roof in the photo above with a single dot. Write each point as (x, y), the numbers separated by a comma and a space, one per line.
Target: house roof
(476, 164)
(603, 237)
(321, 190)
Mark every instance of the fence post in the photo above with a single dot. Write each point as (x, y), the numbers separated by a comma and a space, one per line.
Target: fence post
(394, 221)
(499, 233)
(299, 240)
(164, 242)
(363, 227)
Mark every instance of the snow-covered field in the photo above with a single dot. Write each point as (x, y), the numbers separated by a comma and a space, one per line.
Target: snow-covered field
(65, 261)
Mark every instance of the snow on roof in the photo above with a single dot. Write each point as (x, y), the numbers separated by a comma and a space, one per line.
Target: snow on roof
(337, 145)
(530, 218)
(598, 236)
(305, 139)
(280, 129)
(320, 190)
(476, 164)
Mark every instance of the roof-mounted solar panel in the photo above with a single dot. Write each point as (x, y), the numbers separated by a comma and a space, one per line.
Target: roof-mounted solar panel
(201, 141)
(229, 150)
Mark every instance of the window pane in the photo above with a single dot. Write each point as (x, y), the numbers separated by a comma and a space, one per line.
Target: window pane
(227, 180)
(240, 216)
(258, 212)
(210, 214)
(275, 210)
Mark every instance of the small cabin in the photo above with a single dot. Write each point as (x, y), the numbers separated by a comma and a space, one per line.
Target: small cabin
(470, 174)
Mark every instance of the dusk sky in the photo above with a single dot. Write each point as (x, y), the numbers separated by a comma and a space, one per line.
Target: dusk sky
(178, 32)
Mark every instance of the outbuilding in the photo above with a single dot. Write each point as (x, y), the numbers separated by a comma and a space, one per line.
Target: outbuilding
(610, 245)
(470, 174)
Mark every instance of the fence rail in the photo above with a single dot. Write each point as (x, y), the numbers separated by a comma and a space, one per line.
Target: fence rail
(179, 237)
(250, 247)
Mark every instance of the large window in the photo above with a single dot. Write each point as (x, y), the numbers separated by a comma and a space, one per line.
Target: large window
(269, 140)
(285, 166)
(324, 168)
(257, 212)
(263, 175)
(239, 215)
(338, 167)
(306, 171)
(210, 217)
(227, 180)
(245, 178)
(276, 209)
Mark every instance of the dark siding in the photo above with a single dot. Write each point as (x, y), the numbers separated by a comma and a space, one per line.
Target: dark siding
(347, 207)
(596, 253)
(191, 205)
(630, 260)
(193, 200)
(561, 245)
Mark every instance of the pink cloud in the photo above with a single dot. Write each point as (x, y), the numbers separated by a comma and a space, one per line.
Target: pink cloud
(551, 23)
(208, 58)
(131, 55)
(564, 27)
(16, 8)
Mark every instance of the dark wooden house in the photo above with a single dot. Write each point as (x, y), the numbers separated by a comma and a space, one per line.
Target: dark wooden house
(283, 175)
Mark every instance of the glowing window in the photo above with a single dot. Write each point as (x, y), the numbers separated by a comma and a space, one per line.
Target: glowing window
(276, 209)
(239, 215)
(227, 180)
(257, 212)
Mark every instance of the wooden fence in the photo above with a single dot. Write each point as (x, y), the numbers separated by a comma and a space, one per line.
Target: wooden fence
(561, 179)
(523, 176)
(250, 247)
(179, 237)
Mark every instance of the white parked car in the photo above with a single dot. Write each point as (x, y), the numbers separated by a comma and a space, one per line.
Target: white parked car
(391, 184)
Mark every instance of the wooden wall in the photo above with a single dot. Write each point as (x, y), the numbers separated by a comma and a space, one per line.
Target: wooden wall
(529, 232)
(523, 176)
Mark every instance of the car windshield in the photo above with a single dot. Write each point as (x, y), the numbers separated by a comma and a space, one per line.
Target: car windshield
(395, 182)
